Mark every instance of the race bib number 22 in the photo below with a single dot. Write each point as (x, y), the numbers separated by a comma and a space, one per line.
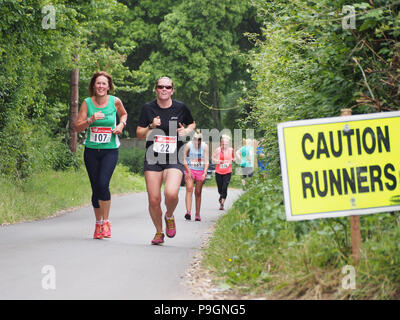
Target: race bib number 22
(164, 144)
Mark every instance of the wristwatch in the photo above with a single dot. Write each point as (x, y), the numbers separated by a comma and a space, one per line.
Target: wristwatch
(124, 122)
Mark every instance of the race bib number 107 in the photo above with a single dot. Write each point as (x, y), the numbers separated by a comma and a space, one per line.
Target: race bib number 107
(100, 134)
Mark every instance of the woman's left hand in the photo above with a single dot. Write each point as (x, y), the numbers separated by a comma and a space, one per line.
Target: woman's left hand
(118, 129)
(182, 130)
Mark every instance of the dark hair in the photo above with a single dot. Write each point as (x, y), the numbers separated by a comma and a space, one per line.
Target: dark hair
(92, 92)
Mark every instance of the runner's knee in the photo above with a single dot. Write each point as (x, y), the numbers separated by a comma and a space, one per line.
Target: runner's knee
(154, 201)
(189, 188)
(171, 195)
(197, 192)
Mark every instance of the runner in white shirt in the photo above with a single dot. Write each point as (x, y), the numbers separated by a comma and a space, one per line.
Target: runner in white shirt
(196, 165)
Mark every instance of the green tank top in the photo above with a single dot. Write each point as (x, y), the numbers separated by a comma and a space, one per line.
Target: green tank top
(99, 135)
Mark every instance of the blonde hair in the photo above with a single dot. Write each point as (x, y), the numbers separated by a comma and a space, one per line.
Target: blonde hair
(164, 77)
(197, 134)
(226, 137)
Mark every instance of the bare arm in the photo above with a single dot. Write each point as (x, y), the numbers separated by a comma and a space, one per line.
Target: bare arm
(142, 132)
(182, 131)
(190, 127)
(82, 123)
(123, 116)
(214, 156)
(206, 157)
(185, 154)
(237, 154)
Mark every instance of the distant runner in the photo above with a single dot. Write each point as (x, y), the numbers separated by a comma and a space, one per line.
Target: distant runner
(246, 156)
(196, 163)
(223, 156)
(261, 159)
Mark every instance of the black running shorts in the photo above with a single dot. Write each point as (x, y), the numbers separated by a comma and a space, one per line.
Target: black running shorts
(161, 167)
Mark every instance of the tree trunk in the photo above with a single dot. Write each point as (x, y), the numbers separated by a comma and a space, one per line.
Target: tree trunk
(73, 111)
(215, 111)
(214, 114)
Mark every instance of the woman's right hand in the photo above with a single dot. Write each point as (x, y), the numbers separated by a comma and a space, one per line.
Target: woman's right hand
(97, 116)
(156, 122)
(188, 175)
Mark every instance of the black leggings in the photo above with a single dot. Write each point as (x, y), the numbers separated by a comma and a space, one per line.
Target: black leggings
(222, 183)
(100, 165)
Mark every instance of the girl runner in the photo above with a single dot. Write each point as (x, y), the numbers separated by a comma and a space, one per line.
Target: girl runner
(196, 165)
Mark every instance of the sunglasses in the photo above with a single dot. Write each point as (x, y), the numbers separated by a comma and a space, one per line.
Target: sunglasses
(164, 87)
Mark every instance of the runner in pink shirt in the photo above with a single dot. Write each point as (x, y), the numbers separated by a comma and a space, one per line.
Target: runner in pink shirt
(223, 157)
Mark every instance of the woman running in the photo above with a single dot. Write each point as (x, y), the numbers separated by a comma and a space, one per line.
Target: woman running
(196, 165)
(161, 123)
(246, 156)
(98, 114)
(223, 156)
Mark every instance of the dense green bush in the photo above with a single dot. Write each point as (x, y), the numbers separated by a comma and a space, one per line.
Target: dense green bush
(133, 158)
(61, 158)
(255, 250)
(303, 64)
(306, 65)
(35, 68)
(15, 157)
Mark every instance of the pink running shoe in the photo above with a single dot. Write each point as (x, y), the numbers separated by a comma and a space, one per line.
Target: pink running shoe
(197, 217)
(107, 229)
(158, 238)
(98, 231)
(170, 229)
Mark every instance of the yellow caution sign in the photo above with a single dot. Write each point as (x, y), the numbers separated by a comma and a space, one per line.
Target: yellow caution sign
(340, 166)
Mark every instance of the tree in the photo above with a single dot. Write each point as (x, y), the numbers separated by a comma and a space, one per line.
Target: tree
(73, 113)
(140, 31)
(35, 71)
(305, 68)
(199, 46)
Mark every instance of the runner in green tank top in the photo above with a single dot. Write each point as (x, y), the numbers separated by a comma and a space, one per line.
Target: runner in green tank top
(100, 135)
(98, 114)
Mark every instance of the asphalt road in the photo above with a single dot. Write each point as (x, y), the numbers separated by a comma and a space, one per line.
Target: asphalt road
(57, 258)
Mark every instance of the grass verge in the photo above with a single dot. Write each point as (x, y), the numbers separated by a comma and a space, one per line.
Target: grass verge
(256, 252)
(43, 194)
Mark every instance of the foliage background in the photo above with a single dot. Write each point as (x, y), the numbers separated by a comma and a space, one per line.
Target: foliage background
(197, 43)
(247, 64)
(306, 65)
